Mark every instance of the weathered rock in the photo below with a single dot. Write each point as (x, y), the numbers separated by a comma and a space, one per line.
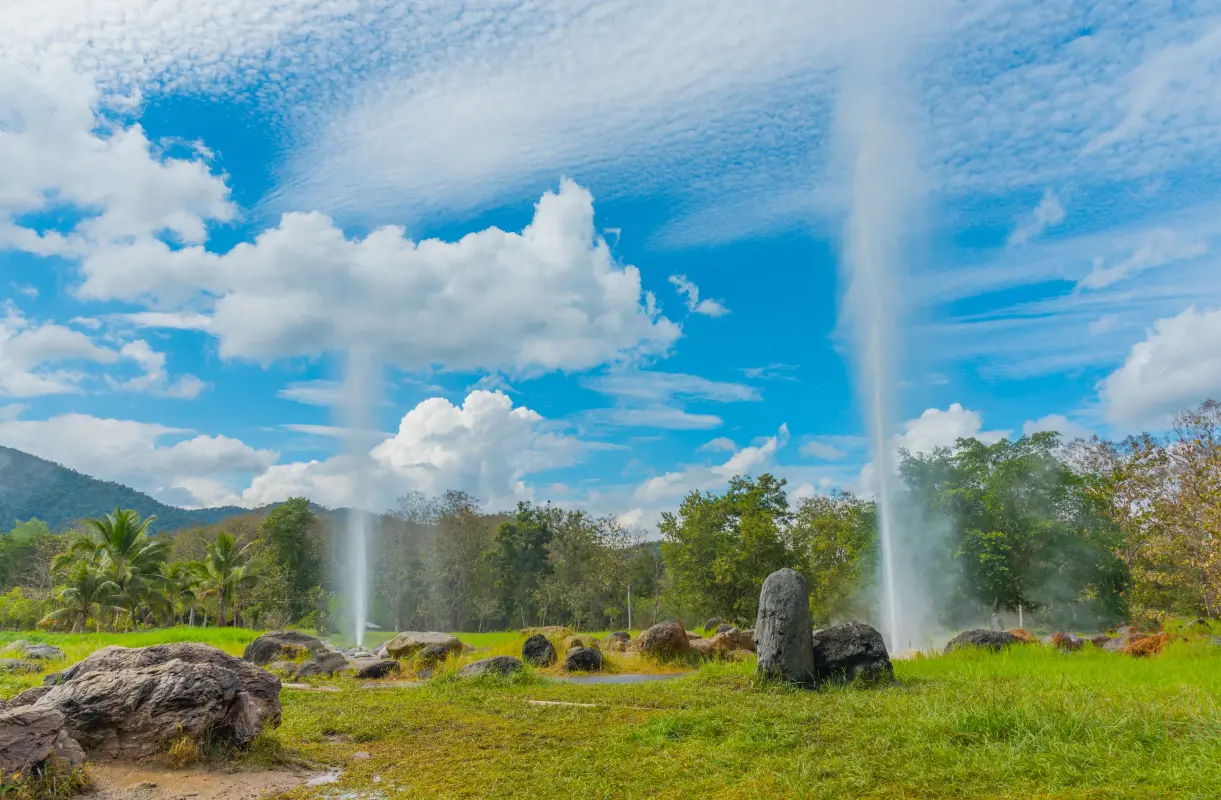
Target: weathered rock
(783, 636)
(711, 625)
(382, 652)
(376, 668)
(692, 636)
(432, 655)
(583, 659)
(538, 651)
(38, 652)
(501, 666)
(408, 643)
(849, 652)
(724, 626)
(323, 664)
(550, 631)
(31, 736)
(1120, 643)
(571, 642)
(706, 648)
(29, 697)
(282, 646)
(664, 640)
(734, 639)
(993, 640)
(1023, 636)
(289, 668)
(1098, 639)
(127, 702)
(18, 665)
(1147, 645)
(618, 642)
(1067, 642)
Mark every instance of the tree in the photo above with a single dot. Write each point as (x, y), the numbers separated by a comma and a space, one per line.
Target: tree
(834, 537)
(718, 549)
(86, 593)
(225, 571)
(291, 541)
(519, 558)
(181, 580)
(120, 547)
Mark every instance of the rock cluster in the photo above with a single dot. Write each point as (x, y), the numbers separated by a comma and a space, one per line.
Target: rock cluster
(128, 702)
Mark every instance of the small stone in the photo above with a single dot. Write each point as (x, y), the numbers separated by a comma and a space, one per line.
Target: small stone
(360, 755)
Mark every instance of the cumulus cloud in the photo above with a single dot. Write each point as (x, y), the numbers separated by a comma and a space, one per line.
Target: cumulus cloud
(674, 485)
(1057, 423)
(549, 298)
(719, 443)
(1176, 366)
(138, 454)
(154, 378)
(1048, 213)
(26, 347)
(936, 428)
(485, 446)
(691, 296)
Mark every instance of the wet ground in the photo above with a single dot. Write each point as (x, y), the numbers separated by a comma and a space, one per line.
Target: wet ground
(137, 782)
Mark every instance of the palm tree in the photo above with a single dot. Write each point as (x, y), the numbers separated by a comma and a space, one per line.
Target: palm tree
(225, 570)
(124, 551)
(181, 579)
(88, 593)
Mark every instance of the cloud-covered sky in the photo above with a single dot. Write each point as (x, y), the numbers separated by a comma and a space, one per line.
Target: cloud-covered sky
(594, 246)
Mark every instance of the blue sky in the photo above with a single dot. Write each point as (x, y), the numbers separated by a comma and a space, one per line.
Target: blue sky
(598, 248)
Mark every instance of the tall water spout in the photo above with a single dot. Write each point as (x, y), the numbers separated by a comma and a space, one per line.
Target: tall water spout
(360, 388)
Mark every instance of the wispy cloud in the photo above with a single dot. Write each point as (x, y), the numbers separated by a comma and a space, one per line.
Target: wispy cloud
(691, 296)
(1048, 213)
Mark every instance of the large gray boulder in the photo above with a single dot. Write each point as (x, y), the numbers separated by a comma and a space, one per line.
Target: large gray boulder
(980, 638)
(30, 737)
(538, 651)
(501, 666)
(849, 652)
(664, 640)
(282, 646)
(783, 636)
(408, 643)
(128, 702)
(38, 652)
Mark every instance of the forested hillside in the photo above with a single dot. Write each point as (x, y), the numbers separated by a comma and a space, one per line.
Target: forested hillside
(33, 488)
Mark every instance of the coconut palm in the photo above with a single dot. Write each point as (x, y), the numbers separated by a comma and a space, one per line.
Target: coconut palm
(181, 582)
(121, 548)
(87, 593)
(225, 571)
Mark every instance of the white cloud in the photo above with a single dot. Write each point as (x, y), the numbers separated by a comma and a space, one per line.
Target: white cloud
(313, 393)
(1048, 213)
(719, 443)
(822, 450)
(549, 298)
(26, 347)
(772, 372)
(1177, 366)
(172, 320)
(1057, 423)
(650, 399)
(936, 428)
(652, 417)
(133, 453)
(154, 378)
(1160, 247)
(484, 446)
(677, 484)
(691, 296)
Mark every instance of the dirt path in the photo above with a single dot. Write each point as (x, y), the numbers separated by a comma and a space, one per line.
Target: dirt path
(136, 782)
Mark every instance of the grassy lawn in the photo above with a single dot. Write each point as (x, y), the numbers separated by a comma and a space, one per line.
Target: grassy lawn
(1029, 722)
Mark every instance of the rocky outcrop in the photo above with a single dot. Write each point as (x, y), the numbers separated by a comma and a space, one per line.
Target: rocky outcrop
(538, 651)
(664, 640)
(126, 703)
(783, 636)
(851, 652)
(282, 646)
(30, 737)
(980, 638)
(323, 664)
(498, 666)
(583, 659)
(1066, 642)
(408, 643)
(35, 652)
(373, 668)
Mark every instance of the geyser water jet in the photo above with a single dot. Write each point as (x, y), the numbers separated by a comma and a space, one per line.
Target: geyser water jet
(884, 188)
(360, 388)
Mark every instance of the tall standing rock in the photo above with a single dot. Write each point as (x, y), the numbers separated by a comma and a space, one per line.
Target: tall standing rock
(783, 636)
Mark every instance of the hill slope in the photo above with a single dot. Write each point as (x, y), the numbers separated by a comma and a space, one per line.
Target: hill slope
(34, 487)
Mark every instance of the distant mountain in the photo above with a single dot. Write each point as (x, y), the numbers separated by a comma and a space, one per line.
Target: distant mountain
(34, 487)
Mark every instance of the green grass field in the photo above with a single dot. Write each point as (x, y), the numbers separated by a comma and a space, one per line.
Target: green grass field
(1029, 722)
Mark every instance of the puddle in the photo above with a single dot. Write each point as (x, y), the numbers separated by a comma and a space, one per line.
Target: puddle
(587, 680)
